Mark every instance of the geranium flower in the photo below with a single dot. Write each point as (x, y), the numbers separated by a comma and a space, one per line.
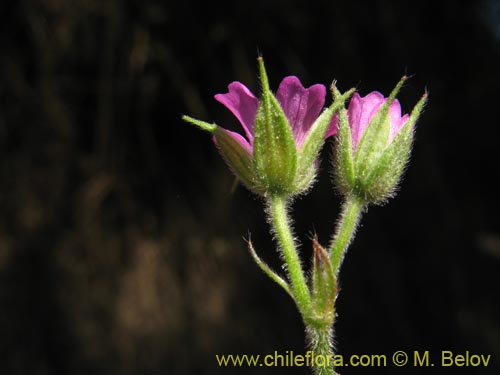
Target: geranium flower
(362, 110)
(282, 134)
(301, 107)
(373, 144)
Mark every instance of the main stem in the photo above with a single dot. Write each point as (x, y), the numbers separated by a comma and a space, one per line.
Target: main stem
(281, 225)
(346, 227)
(320, 343)
(319, 336)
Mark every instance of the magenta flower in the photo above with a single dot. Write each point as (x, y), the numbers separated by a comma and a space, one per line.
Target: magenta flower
(301, 107)
(362, 110)
(373, 145)
(282, 134)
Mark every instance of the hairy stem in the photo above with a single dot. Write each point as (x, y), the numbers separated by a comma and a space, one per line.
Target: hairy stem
(320, 343)
(282, 228)
(346, 227)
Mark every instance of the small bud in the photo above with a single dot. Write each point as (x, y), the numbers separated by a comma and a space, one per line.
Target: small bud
(373, 145)
(324, 288)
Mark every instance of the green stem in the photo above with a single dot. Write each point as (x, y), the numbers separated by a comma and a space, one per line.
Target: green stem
(320, 343)
(346, 227)
(281, 225)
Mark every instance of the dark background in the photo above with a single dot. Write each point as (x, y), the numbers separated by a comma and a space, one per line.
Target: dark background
(121, 244)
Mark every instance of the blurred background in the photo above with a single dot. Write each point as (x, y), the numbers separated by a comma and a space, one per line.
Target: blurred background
(121, 241)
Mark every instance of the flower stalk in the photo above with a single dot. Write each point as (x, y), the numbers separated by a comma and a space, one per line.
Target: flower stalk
(352, 210)
(276, 157)
(278, 215)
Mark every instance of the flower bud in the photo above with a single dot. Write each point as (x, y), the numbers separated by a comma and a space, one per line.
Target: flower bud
(324, 286)
(373, 145)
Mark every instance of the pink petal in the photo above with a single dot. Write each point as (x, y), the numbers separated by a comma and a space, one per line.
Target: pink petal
(238, 138)
(301, 106)
(243, 104)
(334, 126)
(397, 121)
(361, 111)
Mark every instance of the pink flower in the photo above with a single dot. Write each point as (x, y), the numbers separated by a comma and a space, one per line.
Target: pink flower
(373, 145)
(362, 110)
(282, 134)
(301, 107)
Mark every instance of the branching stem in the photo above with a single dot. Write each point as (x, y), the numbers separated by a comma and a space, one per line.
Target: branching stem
(346, 227)
(282, 228)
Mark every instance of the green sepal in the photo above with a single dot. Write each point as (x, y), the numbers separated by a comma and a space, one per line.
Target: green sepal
(275, 152)
(344, 159)
(305, 180)
(384, 177)
(238, 159)
(201, 124)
